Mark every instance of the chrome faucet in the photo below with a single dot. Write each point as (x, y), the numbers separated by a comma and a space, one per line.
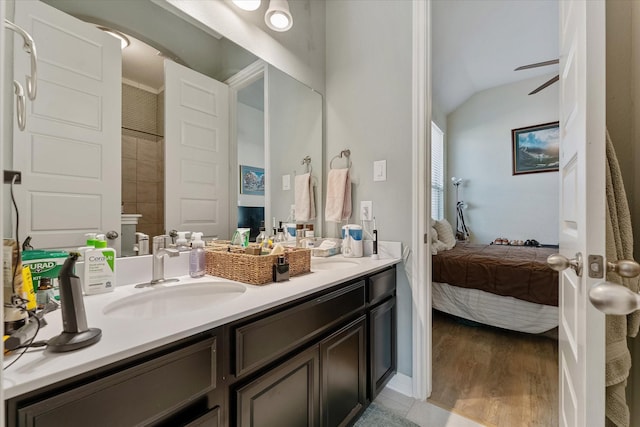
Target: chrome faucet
(159, 251)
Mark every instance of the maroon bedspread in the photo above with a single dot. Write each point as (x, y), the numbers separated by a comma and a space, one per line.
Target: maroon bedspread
(516, 271)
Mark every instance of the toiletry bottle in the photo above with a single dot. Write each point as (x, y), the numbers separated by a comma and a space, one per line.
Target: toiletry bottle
(261, 239)
(281, 270)
(197, 256)
(279, 236)
(182, 244)
(99, 269)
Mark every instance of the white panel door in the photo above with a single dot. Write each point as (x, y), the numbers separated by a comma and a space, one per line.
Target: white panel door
(69, 153)
(196, 152)
(582, 209)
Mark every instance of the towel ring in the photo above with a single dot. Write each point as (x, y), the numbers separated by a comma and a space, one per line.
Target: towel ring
(307, 161)
(344, 153)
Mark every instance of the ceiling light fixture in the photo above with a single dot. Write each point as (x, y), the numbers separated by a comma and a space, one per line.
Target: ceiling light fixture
(249, 5)
(124, 40)
(278, 16)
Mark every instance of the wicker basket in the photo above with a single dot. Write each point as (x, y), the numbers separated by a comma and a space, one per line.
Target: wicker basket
(253, 269)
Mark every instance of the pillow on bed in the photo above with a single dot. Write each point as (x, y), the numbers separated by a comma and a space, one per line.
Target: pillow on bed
(438, 246)
(434, 235)
(445, 233)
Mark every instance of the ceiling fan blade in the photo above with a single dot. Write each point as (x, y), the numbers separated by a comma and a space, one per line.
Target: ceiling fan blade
(545, 84)
(538, 64)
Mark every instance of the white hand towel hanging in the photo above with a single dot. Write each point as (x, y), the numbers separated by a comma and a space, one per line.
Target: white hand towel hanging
(305, 203)
(338, 195)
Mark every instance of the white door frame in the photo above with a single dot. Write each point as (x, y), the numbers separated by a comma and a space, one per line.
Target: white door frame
(419, 270)
(243, 78)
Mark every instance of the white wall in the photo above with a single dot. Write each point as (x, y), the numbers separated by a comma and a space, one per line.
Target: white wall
(368, 110)
(479, 150)
(250, 147)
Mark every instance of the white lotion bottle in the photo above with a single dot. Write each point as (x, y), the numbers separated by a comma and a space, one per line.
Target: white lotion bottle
(197, 256)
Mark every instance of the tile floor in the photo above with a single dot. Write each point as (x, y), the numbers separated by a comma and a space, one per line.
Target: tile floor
(420, 412)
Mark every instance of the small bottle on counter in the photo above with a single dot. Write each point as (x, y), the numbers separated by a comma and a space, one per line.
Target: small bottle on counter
(197, 256)
(262, 239)
(281, 270)
(309, 231)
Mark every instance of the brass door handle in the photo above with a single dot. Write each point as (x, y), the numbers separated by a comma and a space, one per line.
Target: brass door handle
(560, 262)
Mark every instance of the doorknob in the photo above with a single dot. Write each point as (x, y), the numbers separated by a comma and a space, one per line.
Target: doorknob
(560, 262)
(624, 267)
(611, 298)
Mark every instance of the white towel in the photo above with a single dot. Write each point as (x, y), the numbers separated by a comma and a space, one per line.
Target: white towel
(305, 203)
(338, 196)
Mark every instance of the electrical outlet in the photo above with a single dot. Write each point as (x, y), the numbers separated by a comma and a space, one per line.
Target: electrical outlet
(366, 211)
(8, 177)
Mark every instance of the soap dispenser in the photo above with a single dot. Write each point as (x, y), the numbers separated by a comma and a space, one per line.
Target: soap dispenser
(182, 244)
(261, 239)
(197, 257)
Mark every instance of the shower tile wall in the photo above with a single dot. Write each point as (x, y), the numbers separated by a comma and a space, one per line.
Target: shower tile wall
(143, 158)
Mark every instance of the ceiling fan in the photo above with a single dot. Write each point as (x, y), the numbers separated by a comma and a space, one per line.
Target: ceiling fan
(541, 64)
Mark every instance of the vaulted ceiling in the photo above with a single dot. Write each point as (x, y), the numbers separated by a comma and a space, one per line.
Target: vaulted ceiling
(477, 44)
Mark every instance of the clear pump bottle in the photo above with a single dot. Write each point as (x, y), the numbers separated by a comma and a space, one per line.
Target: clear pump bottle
(261, 239)
(197, 256)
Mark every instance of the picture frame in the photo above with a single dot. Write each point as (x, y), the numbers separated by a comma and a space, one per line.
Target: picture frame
(536, 148)
(251, 180)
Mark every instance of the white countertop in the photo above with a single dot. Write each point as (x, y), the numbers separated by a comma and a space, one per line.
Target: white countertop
(123, 338)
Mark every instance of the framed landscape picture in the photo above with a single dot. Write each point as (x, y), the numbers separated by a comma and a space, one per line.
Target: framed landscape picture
(251, 180)
(536, 148)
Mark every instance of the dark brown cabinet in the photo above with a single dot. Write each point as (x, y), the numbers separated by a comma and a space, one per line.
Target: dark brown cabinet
(382, 317)
(171, 389)
(316, 361)
(287, 395)
(343, 383)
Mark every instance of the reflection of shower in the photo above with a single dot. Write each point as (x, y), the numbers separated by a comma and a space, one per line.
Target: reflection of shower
(462, 232)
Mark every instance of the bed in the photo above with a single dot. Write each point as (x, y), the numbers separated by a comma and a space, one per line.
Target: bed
(505, 286)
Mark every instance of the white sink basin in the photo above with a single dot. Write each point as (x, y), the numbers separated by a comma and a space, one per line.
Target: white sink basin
(321, 264)
(174, 300)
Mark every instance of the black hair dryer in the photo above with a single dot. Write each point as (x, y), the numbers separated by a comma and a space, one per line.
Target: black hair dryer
(75, 334)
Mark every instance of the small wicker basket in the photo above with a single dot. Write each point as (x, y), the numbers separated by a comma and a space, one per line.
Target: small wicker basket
(232, 263)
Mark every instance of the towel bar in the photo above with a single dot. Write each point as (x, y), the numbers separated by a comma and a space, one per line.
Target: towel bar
(346, 153)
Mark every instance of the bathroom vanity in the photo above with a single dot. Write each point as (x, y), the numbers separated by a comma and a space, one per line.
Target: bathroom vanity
(312, 351)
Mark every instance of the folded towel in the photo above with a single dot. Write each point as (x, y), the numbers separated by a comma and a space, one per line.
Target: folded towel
(338, 196)
(305, 203)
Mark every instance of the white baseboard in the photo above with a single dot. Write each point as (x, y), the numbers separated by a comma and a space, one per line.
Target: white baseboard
(402, 384)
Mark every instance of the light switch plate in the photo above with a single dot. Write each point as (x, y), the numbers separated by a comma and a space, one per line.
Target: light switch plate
(366, 210)
(286, 182)
(380, 170)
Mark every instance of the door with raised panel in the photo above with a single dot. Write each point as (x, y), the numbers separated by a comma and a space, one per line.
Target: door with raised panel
(582, 210)
(69, 153)
(196, 152)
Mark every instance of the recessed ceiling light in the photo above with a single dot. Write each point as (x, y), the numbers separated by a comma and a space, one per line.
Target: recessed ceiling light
(124, 40)
(247, 4)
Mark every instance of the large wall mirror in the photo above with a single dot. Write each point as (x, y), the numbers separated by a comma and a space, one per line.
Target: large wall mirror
(176, 80)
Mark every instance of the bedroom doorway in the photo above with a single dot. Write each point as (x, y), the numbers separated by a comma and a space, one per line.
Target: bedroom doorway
(494, 346)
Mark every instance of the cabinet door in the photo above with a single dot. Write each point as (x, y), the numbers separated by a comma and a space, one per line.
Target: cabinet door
(286, 395)
(382, 346)
(343, 372)
(141, 395)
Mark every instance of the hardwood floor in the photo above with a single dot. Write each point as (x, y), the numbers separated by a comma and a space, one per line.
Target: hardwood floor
(495, 377)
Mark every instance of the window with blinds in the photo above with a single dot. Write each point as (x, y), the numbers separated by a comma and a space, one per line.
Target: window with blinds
(437, 172)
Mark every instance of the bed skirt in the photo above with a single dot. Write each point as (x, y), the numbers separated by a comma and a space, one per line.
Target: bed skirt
(494, 310)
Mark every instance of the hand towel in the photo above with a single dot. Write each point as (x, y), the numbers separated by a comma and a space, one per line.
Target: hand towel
(305, 202)
(619, 245)
(338, 196)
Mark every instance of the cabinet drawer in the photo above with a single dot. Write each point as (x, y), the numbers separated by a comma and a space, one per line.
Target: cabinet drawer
(135, 396)
(263, 341)
(381, 285)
